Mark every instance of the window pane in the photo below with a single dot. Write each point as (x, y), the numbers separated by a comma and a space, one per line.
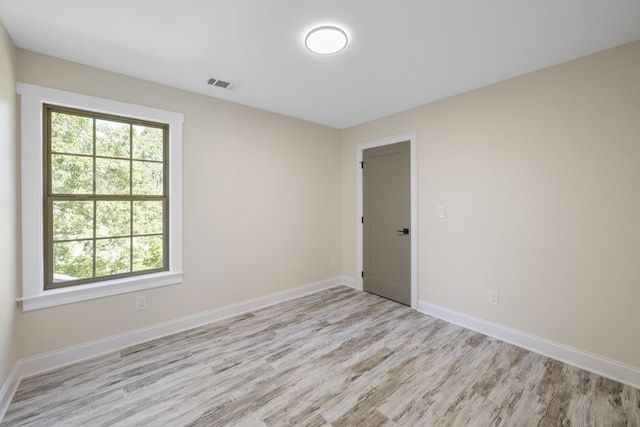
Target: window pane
(72, 261)
(147, 178)
(112, 176)
(72, 220)
(113, 256)
(147, 217)
(147, 253)
(71, 134)
(113, 218)
(148, 143)
(113, 139)
(71, 174)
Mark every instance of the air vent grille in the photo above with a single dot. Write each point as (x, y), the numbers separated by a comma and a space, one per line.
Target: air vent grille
(223, 84)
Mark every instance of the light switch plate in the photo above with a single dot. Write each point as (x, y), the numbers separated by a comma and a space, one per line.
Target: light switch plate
(493, 298)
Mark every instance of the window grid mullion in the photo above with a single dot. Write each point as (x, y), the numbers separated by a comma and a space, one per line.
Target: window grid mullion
(131, 193)
(93, 240)
(95, 203)
(131, 236)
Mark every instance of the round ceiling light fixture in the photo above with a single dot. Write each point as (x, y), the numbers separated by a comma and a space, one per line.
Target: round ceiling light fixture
(326, 40)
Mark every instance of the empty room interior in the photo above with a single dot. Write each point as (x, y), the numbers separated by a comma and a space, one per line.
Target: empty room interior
(209, 215)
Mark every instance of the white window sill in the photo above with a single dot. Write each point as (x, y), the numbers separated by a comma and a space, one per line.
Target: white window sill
(99, 290)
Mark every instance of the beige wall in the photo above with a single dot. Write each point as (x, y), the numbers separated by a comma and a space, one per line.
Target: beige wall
(9, 236)
(540, 177)
(261, 207)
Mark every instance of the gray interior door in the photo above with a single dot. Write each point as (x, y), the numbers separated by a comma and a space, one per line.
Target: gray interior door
(387, 221)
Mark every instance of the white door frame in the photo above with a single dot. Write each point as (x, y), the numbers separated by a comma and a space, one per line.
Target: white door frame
(412, 137)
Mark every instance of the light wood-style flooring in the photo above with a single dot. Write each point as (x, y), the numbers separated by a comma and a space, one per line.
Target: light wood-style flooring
(334, 358)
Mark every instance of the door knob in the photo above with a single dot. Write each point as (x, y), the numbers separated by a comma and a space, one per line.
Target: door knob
(403, 231)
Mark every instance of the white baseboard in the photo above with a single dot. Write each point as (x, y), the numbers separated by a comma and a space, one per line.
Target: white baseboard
(351, 283)
(8, 390)
(43, 362)
(621, 372)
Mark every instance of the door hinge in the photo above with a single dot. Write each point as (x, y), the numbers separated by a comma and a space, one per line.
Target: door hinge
(362, 274)
(362, 219)
(361, 165)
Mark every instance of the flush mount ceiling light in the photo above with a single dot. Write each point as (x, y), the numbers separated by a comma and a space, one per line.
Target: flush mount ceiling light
(326, 40)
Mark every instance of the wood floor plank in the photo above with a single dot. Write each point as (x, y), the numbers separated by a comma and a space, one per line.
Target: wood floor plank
(334, 358)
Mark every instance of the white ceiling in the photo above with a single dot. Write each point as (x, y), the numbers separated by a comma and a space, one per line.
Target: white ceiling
(401, 54)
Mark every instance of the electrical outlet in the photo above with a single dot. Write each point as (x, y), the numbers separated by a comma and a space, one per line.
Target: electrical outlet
(141, 302)
(332, 261)
(493, 298)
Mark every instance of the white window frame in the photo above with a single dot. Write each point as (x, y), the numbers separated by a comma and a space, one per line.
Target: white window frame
(34, 296)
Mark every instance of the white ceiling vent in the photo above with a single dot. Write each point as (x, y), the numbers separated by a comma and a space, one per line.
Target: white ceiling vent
(223, 84)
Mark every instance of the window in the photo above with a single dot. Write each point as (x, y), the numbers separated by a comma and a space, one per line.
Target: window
(101, 197)
(105, 204)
